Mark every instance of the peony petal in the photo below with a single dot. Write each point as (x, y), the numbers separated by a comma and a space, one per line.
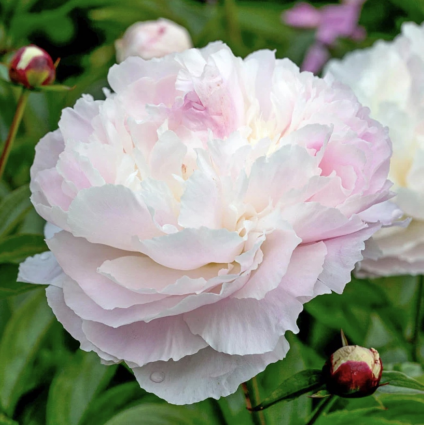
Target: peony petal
(192, 248)
(246, 326)
(306, 265)
(40, 269)
(205, 374)
(80, 261)
(277, 250)
(115, 208)
(141, 343)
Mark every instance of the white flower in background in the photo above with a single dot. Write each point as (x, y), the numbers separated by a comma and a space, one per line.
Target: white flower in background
(199, 206)
(389, 79)
(152, 39)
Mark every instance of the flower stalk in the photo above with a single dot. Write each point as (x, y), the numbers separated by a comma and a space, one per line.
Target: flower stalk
(252, 397)
(322, 407)
(13, 129)
(418, 319)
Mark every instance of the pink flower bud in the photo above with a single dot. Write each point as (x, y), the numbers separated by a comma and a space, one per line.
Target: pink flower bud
(353, 371)
(152, 39)
(32, 67)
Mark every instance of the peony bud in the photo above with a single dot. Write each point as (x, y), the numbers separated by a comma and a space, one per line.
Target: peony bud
(353, 371)
(32, 67)
(152, 39)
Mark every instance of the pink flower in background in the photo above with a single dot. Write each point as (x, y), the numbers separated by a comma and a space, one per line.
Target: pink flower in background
(152, 39)
(388, 78)
(331, 22)
(194, 211)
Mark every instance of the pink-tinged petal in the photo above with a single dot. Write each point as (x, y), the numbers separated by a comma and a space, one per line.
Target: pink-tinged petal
(141, 343)
(50, 183)
(75, 123)
(115, 208)
(73, 324)
(47, 152)
(192, 248)
(285, 165)
(143, 275)
(316, 57)
(277, 251)
(87, 309)
(302, 15)
(40, 269)
(313, 222)
(205, 374)
(306, 265)
(342, 255)
(247, 326)
(80, 261)
(161, 203)
(78, 170)
(201, 203)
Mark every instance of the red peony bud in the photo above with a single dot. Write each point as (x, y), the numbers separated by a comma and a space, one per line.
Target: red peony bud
(32, 67)
(353, 371)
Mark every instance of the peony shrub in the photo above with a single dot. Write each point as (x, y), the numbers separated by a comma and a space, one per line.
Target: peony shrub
(194, 211)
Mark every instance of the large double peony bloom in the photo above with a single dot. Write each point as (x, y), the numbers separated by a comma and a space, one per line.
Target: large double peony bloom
(389, 79)
(198, 207)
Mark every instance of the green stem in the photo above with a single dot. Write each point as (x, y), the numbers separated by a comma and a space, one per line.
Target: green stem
(252, 397)
(418, 319)
(323, 407)
(13, 129)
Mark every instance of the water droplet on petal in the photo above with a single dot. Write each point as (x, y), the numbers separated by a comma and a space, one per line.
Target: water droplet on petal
(157, 377)
(44, 256)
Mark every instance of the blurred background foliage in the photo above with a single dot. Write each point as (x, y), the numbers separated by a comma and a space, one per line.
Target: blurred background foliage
(44, 378)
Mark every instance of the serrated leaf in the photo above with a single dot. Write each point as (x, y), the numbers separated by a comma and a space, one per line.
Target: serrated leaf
(8, 285)
(19, 346)
(15, 249)
(396, 379)
(161, 414)
(75, 387)
(293, 387)
(13, 209)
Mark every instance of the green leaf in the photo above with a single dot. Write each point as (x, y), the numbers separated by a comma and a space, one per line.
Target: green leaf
(75, 387)
(8, 285)
(396, 379)
(13, 209)
(112, 402)
(4, 72)
(6, 421)
(293, 387)
(356, 417)
(15, 249)
(19, 346)
(161, 414)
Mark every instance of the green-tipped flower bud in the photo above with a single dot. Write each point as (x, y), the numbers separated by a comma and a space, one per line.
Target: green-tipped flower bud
(32, 67)
(353, 371)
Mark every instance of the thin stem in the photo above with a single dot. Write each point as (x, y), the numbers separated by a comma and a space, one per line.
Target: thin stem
(13, 129)
(252, 397)
(418, 319)
(324, 406)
